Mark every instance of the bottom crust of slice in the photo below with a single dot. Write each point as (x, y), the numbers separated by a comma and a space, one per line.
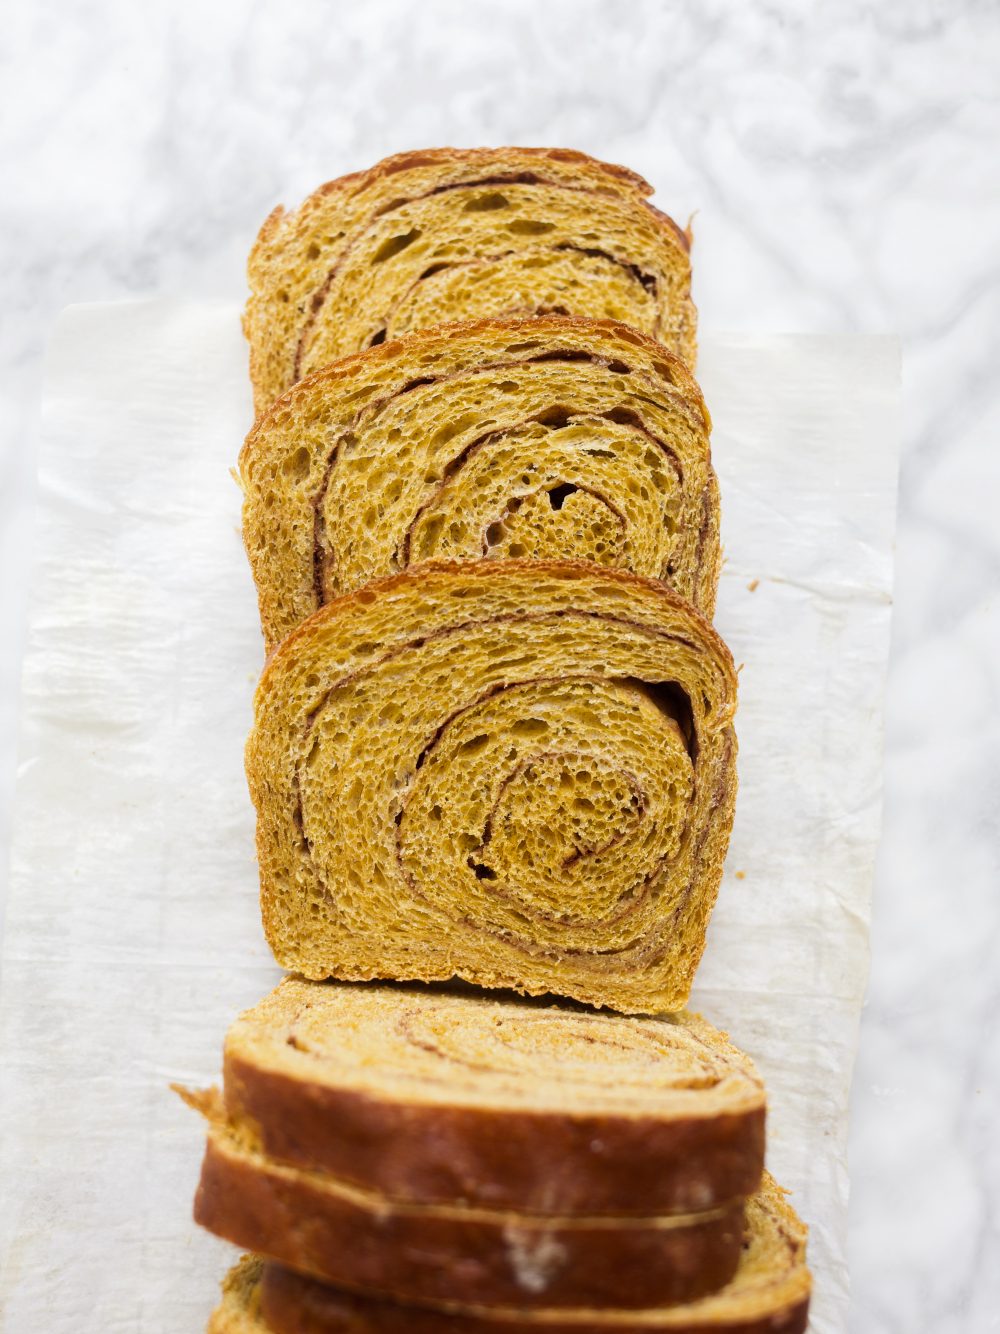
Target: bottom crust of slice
(768, 1295)
(318, 1225)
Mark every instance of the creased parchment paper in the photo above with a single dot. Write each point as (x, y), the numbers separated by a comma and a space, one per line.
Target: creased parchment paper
(133, 936)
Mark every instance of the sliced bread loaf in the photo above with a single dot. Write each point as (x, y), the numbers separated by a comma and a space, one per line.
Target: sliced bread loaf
(317, 1224)
(518, 773)
(556, 437)
(769, 1294)
(448, 234)
(426, 1096)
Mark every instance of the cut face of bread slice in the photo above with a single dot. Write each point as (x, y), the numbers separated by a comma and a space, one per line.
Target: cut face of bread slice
(449, 234)
(769, 1294)
(317, 1224)
(430, 1097)
(558, 438)
(522, 775)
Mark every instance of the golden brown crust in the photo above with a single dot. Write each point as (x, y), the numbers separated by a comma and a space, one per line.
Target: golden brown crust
(580, 645)
(421, 339)
(464, 440)
(315, 1225)
(427, 1097)
(294, 1304)
(355, 182)
(298, 255)
(768, 1295)
(512, 1160)
(422, 157)
(580, 571)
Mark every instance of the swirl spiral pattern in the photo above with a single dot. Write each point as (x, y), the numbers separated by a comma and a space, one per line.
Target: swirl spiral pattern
(553, 438)
(442, 235)
(520, 775)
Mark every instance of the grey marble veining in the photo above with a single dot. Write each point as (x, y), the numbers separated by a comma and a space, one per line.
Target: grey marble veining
(843, 166)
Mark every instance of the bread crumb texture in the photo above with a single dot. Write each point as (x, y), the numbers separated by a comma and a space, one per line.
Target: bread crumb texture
(448, 234)
(520, 774)
(550, 438)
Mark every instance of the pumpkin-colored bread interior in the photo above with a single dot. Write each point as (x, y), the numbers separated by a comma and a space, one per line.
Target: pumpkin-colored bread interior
(442, 235)
(521, 775)
(553, 438)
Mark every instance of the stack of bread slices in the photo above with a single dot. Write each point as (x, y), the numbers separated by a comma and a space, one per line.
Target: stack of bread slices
(493, 762)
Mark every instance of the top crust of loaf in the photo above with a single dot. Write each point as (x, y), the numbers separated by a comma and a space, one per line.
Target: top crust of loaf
(297, 252)
(627, 180)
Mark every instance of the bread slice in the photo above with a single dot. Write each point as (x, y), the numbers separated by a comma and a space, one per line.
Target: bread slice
(555, 437)
(769, 1294)
(518, 773)
(431, 1097)
(447, 234)
(320, 1225)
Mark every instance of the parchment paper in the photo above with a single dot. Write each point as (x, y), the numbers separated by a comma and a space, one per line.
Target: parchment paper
(133, 936)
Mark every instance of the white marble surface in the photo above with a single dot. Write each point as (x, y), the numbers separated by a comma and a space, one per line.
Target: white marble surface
(844, 166)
